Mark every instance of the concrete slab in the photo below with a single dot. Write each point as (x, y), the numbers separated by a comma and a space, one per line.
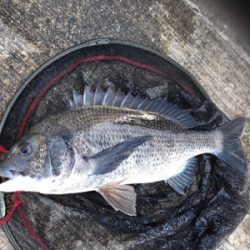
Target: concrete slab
(189, 31)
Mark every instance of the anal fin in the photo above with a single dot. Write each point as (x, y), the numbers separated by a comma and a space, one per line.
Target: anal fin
(120, 197)
(181, 182)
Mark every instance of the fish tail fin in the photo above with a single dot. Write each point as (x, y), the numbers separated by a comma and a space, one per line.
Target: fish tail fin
(231, 151)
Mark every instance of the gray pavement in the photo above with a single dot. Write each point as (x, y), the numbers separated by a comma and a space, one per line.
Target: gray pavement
(208, 41)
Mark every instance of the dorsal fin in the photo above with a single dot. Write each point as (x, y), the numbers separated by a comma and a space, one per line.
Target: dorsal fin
(118, 98)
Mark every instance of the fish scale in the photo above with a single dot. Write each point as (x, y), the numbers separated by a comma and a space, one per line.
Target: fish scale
(109, 140)
(155, 156)
(100, 127)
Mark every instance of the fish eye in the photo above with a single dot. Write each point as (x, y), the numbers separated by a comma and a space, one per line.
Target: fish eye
(25, 149)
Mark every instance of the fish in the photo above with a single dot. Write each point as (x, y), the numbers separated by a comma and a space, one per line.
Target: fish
(109, 140)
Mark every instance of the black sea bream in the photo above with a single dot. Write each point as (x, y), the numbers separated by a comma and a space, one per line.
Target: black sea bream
(108, 140)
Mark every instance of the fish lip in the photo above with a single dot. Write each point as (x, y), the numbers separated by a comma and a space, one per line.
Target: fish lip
(5, 169)
(10, 174)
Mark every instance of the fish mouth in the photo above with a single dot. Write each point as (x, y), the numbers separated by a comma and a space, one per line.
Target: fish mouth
(7, 170)
(10, 174)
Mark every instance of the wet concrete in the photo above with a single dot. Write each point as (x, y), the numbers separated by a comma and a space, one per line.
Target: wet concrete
(191, 32)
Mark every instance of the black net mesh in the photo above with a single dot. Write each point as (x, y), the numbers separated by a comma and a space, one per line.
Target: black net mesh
(210, 211)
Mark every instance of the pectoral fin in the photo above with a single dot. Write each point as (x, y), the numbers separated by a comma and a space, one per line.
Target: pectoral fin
(120, 197)
(108, 160)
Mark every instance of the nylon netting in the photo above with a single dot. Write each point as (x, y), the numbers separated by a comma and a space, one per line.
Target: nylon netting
(214, 206)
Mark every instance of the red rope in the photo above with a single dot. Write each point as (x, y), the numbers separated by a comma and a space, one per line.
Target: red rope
(10, 214)
(3, 150)
(31, 229)
(16, 206)
(56, 78)
(31, 109)
(17, 202)
(26, 221)
(123, 59)
(35, 102)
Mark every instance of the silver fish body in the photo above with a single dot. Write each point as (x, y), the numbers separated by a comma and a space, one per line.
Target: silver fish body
(105, 147)
(159, 158)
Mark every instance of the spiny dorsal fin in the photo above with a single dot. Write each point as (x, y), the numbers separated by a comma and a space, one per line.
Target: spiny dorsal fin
(117, 98)
(109, 159)
(181, 182)
(120, 197)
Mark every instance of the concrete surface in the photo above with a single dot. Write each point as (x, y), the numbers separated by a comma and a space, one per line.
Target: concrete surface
(195, 33)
